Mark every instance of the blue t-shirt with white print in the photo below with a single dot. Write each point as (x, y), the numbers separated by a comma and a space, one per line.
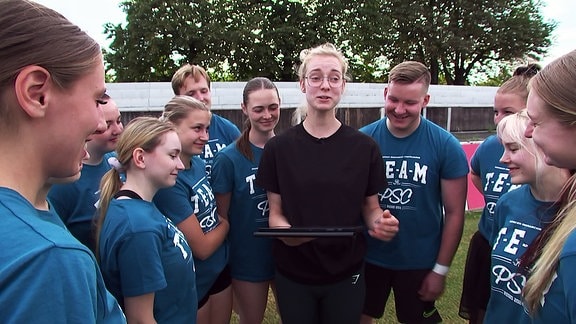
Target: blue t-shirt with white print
(192, 195)
(414, 167)
(519, 218)
(142, 252)
(222, 132)
(495, 180)
(232, 172)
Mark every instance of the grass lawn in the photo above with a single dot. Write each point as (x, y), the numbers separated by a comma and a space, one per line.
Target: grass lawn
(447, 304)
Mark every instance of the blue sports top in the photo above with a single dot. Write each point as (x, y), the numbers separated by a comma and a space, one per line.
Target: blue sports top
(414, 167)
(46, 275)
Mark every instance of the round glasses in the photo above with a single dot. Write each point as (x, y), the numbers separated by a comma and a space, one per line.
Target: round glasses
(316, 80)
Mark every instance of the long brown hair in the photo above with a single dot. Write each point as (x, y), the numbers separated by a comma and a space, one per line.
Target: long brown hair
(258, 83)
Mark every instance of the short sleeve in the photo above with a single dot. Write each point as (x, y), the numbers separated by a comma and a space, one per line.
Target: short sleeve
(174, 202)
(266, 177)
(377, 178)
(56, 286)
(139, 264)
(222, 177)
(455, 163)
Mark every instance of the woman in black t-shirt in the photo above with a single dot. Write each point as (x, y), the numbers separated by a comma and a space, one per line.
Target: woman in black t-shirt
(322, 173)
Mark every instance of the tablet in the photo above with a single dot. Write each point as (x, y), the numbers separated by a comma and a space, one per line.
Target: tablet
(308, 231)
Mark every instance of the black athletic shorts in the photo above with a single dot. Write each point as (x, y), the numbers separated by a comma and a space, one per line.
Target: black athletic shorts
(405, 284)
(223, 281)
(476, 284)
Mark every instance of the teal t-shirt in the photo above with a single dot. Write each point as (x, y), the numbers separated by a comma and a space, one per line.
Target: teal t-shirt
(192, 195)
(558, 304)
(141, 252)
(414, 167)
(75, 202)
(519, 218)
(495, 181)
(46, 275)
(232, 172)
(222, 133)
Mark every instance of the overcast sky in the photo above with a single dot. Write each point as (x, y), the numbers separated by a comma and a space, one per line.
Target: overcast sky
(91, 15)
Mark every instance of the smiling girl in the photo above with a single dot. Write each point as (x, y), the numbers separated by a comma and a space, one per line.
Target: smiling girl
(519, 216)
(245, 204)
(145, 259)
(191, 205)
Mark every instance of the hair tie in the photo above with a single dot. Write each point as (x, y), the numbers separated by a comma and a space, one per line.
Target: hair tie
(113, 161)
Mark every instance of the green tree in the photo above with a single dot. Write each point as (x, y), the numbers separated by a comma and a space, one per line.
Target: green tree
(231, 37)
(494, 73)
(359, 29)
(261, 38)
(242, 39)
(156, 37)
(454, 37)
(239, 38)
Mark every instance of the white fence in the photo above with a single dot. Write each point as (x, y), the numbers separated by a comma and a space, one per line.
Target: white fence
(151, 96)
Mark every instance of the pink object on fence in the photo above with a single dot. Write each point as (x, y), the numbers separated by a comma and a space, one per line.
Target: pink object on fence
(474, 198)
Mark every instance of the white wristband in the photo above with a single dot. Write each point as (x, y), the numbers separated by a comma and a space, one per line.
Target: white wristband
(440, 269)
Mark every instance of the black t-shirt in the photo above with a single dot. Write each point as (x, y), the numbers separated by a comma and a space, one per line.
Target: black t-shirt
(322, 182)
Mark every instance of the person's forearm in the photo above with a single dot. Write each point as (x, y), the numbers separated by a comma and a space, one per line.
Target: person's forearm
(451, 236)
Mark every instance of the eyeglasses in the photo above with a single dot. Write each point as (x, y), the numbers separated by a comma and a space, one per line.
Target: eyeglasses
(316, 80)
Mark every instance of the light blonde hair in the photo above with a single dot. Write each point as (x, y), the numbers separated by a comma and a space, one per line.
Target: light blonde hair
(179, 107)
(325, 49)
(31, 34)
(195, 71)
(305, 56)
(555, 85)
(511, 130)
(142, 132)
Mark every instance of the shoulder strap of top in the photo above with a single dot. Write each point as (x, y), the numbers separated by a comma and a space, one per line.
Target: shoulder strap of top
(127, 193)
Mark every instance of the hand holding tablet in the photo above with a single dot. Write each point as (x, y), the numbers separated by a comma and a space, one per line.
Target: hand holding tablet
(309, 231)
